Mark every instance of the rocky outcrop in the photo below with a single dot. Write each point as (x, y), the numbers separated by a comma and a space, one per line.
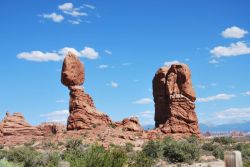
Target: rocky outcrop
(16, 125)
(51, 128)
(130, 124)
(83, 114)
(174, 99)
(16, 129)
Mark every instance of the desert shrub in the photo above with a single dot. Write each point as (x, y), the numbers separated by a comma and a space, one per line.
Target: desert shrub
(73, 144)
(192, 139)
(1, 146)
(49, 159)
(97, 156)
(140, 159)
(3, 154)
(22, 154)
(180, 151)
(152, 149)
(218, 153)
(5, 163)
(129, 147)
(223, 140)
(208, 146)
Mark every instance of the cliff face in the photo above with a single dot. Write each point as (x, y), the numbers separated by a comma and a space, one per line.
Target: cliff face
(174, 99)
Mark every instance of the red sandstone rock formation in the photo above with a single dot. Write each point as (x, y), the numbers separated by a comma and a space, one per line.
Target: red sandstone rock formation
(174, 99)
(51, 128)
(130, 124)
(17, 130)
(83, 114)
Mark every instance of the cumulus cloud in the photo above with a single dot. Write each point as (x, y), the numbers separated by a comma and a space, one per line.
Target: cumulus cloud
(234, 32)
(40, 56)
(113, 84)
(66, 6)
(143, 101)
(89, 53)
(57, 116)
(53, 16)
(108, 52)
(235, 49)
(169, 63)
(221, 96)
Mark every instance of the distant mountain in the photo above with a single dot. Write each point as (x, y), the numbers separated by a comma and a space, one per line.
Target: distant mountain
(244, 127)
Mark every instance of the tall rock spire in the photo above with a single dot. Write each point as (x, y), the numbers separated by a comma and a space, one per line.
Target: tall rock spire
(174, 99)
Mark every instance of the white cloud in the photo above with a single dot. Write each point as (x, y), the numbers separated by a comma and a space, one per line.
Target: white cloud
(66, 6)
(76, 22)
(57, 116)
(75, 13)
(64, 51)
(235, 49)
(54, 17)
(89, 53)
(143, 101)
(169, 63)
(113, 84)
(234, 114)
(246, 93)
(221, 96)
(89, 6)
(234, 32)
(40, 56)
(108, 52)
(102, 66)
(213, 61)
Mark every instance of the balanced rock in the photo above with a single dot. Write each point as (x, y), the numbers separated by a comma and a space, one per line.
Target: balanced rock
(83, 114)
(72, 71)
(174, 99)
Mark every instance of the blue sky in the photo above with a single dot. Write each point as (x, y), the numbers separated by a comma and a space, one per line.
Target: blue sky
(122, 44)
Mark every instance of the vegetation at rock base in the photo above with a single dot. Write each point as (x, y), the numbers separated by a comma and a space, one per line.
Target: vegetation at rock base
(78, 154)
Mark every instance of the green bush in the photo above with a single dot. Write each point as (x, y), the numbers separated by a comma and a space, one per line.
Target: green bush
(140, 159)
(5, 163)
(208, 146)
(96, 156)
(152, 149)
(129, 147)
(218, 153)
(224, 140)
(73, 144)
(180, 151)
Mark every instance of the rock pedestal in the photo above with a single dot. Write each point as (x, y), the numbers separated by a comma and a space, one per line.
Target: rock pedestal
(83, 114)
(174, 99)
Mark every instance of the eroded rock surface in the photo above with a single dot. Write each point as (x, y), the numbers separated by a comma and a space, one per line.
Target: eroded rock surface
(83, 114)
(174, 99)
